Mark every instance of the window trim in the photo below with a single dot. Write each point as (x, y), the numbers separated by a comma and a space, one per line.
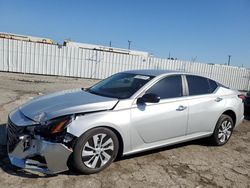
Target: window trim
(185, 85)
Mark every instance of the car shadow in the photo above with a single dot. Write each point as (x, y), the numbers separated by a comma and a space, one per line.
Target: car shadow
(6, 166)
(247, 118)
(201, 142)
(3, 134)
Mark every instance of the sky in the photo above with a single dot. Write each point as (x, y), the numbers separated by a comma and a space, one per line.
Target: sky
(204, 31)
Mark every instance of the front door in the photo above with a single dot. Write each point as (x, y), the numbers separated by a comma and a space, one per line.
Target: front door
(165, 119)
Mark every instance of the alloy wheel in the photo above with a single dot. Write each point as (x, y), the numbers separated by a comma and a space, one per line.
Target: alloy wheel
(97, 151)
(225, 131)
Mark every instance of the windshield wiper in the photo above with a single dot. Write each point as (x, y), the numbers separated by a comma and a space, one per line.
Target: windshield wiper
(95, 93)
(100, 94)
(84, 89)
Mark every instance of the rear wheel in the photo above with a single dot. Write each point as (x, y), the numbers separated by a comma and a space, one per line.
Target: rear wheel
(95, 150)
(223, 130)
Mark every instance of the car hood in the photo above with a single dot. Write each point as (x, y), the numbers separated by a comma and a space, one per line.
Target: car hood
(67, 102)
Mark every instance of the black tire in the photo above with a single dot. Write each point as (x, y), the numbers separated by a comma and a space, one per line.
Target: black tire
(88, 163)
(216, 138)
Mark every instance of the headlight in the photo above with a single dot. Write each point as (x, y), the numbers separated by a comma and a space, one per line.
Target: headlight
(54, 126)
(59, 125)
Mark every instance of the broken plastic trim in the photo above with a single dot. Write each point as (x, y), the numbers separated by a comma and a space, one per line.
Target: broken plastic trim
(55, 154)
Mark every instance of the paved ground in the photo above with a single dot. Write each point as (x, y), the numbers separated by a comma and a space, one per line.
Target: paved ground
(194, 164)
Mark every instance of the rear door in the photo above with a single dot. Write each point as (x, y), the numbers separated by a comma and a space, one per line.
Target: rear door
(204, 104)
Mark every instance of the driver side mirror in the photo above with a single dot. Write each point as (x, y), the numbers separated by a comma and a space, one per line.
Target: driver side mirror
(148, 97)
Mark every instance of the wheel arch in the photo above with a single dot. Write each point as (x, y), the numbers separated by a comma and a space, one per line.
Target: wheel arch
(232, 114)
(117, 133)
(120, 139)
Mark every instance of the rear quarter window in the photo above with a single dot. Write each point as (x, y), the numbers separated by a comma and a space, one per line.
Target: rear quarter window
(213, 85)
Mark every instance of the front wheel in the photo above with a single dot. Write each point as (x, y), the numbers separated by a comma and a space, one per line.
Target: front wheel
(95, 150)
(223, 130)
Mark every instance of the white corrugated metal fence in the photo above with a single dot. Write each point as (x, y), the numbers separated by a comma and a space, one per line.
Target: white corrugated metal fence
(39, 58)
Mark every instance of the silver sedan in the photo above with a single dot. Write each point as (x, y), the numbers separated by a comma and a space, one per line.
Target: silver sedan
(128, 112)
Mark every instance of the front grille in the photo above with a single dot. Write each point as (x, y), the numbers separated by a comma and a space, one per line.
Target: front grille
(13, 133)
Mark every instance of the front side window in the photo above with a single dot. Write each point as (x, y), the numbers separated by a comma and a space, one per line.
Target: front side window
(121, 85)
(169, 87)
(198, 85)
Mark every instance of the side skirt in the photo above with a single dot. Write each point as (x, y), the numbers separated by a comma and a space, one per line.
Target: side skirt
(169, 142)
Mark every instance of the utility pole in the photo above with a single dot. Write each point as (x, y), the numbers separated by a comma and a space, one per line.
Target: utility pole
(193, 59)
(229, 59)
(129, 44)
(110, 43)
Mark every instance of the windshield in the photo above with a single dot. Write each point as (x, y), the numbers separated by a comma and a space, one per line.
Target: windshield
(121, 85)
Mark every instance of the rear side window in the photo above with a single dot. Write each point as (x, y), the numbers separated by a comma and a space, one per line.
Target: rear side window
(169, 87)
(198, 85)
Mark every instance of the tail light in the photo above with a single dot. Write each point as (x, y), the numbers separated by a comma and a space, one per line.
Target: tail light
(241, 96)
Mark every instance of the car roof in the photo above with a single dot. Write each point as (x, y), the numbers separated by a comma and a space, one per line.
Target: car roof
(152, 72)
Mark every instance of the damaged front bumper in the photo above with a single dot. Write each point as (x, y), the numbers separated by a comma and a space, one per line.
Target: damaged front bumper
(40, 155)
(29, 151)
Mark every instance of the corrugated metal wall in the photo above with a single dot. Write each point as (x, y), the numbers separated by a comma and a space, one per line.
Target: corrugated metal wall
(38, 58)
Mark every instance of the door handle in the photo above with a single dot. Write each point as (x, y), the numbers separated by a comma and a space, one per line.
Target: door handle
(218, 99)
(181, 108)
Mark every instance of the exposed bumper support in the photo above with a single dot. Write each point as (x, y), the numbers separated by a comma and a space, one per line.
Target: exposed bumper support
(55, 154)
